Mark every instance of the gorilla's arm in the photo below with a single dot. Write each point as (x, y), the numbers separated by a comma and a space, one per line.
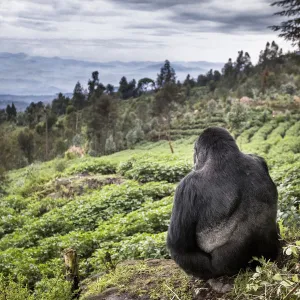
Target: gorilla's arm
(182, 240)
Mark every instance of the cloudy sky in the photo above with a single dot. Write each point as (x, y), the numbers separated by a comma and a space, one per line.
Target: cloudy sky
(127, 30)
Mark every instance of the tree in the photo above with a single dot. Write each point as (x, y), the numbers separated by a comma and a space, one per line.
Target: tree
(101, 120)
(127, 89)
(145, 84)
(163, 100)
(202, 80)
(290, 29)
(26, 144)
(228, 68)
(11, 112)
(60, 104)
(110, 89)
(211, 106)
(123, 86)
(110, 145)
(237, 116)
(189, 82)
(2, 116)
(269, 54)
(34, 113)
(93, 83)
(95, 87)
(217, 76)
(8, 111)
(167, 75)
(78, 98)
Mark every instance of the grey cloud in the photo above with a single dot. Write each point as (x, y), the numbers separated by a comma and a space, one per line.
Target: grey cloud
(36, 25)
(154, 4)
(203, 16)
(212, 17)
(225, 22)
(105, 43)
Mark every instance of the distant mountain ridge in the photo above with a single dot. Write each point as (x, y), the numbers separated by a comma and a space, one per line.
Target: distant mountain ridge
(21, 74)
(21, 102)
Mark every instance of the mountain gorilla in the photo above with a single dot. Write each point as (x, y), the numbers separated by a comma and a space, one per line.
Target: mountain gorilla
(224, 210)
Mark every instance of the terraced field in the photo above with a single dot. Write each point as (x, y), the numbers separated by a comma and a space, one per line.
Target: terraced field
(118, 207)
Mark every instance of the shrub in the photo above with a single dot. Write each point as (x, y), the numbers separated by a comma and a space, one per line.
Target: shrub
(60, 166)
(14, 290)
(94, 166)
(146, 171)
(139, 246)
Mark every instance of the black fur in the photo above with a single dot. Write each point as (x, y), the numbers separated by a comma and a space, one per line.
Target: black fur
(224, 210)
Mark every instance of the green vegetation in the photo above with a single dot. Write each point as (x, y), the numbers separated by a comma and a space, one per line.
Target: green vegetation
(97, 172)
(117, 208)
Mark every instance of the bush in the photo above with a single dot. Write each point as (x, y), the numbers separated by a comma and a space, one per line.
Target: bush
(14, 290)
(139, 246)
(60, 166)
(146, 171)
(95, 166)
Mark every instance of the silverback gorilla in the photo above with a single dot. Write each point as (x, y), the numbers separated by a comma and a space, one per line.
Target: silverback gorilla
(224, 211)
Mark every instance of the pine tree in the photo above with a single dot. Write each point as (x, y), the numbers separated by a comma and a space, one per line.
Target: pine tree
(78, 96)
(123, 86)
(13, 110)
(228, 68)
(290, 29)
(167, 75)
(92, 84)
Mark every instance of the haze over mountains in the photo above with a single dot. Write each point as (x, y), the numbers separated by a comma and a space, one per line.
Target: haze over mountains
(25, 75)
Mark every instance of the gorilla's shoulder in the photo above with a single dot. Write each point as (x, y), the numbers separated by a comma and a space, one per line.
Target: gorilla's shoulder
(190, 181)
(258, 159)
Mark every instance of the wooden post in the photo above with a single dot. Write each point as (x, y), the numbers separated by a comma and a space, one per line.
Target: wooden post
(72, 269)
(170, 144)
(46, 134)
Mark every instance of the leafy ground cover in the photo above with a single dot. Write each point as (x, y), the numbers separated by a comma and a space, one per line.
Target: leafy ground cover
(119, 207)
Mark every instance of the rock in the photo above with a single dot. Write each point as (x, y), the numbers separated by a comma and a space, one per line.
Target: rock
(219, 286)
(110, 294)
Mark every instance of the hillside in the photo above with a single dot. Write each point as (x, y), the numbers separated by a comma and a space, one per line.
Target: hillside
(95, 173)
(119, 206)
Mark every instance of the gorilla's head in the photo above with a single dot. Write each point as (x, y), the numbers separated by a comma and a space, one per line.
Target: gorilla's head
(214, 143)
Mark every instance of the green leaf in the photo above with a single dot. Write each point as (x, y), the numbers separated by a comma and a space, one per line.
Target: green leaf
(295, 278)
(277, 277)
(258, 269)
(286, 284)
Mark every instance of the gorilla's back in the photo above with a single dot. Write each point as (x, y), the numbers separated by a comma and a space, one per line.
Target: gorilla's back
(244, 201)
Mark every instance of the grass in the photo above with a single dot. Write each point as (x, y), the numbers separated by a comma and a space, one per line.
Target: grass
(119, 206)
